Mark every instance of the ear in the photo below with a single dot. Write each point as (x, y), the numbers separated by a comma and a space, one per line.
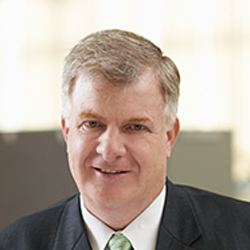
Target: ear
(65, 128)
(172, 135)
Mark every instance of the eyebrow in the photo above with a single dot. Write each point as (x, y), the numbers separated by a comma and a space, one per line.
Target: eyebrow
(93, 115)
(89, 114)
(139, 120)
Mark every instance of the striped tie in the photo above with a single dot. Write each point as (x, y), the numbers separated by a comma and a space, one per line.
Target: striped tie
(119, 242)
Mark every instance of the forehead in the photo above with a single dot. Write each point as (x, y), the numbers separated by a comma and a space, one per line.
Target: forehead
(141, 95)
(147, 81)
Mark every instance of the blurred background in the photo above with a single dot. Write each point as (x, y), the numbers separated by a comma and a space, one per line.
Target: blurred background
(209, 40)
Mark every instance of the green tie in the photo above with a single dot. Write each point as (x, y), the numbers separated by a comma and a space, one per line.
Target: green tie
(119, 242)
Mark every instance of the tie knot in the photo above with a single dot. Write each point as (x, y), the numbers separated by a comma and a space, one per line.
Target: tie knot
(119, 242)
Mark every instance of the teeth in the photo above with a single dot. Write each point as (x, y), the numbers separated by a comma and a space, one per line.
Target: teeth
(110, 171)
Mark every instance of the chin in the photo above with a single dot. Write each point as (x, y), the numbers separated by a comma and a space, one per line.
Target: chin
(111, 197)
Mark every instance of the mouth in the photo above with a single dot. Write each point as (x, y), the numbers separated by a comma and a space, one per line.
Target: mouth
(110, 171)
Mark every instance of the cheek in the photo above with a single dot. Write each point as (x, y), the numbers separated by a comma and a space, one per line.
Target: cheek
(151, 157)
(154, 149)
(77, 150)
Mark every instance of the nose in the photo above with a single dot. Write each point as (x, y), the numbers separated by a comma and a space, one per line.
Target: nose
(111, 145)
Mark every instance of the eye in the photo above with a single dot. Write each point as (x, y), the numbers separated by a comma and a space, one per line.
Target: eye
(137, 127)
(91, 124)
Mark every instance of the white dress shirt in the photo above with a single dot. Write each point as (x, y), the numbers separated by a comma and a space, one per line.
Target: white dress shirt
(142, 231)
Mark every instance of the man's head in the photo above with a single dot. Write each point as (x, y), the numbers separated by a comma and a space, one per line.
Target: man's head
(116, 92)
(120, 57)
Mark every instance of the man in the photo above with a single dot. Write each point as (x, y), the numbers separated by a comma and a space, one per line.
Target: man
(120, 98)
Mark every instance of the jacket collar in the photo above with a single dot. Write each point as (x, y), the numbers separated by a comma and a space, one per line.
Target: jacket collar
(71, 232)
(179, 227)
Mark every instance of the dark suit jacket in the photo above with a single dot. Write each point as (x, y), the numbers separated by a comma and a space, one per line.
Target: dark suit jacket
(192, 219)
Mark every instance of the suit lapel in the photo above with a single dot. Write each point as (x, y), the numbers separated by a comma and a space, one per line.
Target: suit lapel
(179, 227)
(72, 233)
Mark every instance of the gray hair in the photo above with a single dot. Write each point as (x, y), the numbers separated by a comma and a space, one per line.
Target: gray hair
(120, 57)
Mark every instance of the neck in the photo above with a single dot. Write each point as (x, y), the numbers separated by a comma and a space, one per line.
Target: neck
(117, 217)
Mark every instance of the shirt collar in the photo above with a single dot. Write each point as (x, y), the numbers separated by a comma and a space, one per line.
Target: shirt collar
(142, 232)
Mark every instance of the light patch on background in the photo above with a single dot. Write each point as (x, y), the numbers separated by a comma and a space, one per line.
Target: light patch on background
(150, 19)
(204, 63)
(116, 14)
(12, 85)
(205, 91)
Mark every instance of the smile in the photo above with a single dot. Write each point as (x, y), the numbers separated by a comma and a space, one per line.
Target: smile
(109, 171)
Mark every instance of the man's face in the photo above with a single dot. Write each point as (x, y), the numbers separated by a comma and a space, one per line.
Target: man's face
(117, 142)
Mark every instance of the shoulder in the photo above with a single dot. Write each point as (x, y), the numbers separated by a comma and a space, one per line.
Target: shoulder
(29, 230)
(204, 199)
(216, 221)
(219, 212)
(209, 206)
